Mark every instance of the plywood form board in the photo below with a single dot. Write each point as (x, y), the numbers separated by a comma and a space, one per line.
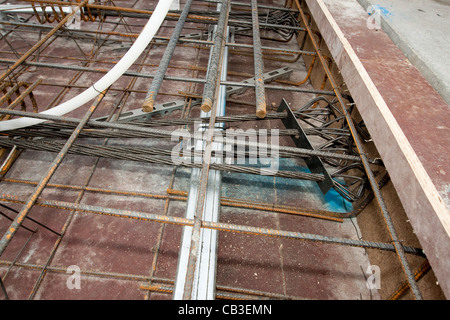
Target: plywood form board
(406, 117)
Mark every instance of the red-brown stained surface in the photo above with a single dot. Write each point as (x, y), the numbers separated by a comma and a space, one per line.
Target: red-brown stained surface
(126, 249)
(419, 110)
(422, 115)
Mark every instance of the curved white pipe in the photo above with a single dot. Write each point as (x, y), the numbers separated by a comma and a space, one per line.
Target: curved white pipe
(108, 79)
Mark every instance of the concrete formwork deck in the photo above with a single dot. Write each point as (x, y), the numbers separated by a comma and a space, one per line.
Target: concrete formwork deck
(128, 258)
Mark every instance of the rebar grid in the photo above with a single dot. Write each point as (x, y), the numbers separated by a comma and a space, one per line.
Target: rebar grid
(340, 137)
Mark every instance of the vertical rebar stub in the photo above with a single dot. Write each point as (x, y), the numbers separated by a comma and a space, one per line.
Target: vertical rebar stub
(147, 106)
(206, 105)
(261, 110)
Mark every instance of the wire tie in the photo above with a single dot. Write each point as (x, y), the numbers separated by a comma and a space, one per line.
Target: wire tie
(93, 86)
(398, 241)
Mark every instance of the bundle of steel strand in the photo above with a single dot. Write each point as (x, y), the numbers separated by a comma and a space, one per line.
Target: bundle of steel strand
(61, 131)
(272, 20)
(399, 249)
(168, 134)
(220, 119)
(166, 157)
(152, 156)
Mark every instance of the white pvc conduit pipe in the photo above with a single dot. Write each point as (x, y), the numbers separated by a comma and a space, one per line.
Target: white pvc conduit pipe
(108, 79)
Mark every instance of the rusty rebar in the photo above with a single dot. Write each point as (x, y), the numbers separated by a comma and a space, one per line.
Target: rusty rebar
(258, 64)
(164, 63)
(11, 231)
(399, 249)
(214, 68)
(221, 226)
